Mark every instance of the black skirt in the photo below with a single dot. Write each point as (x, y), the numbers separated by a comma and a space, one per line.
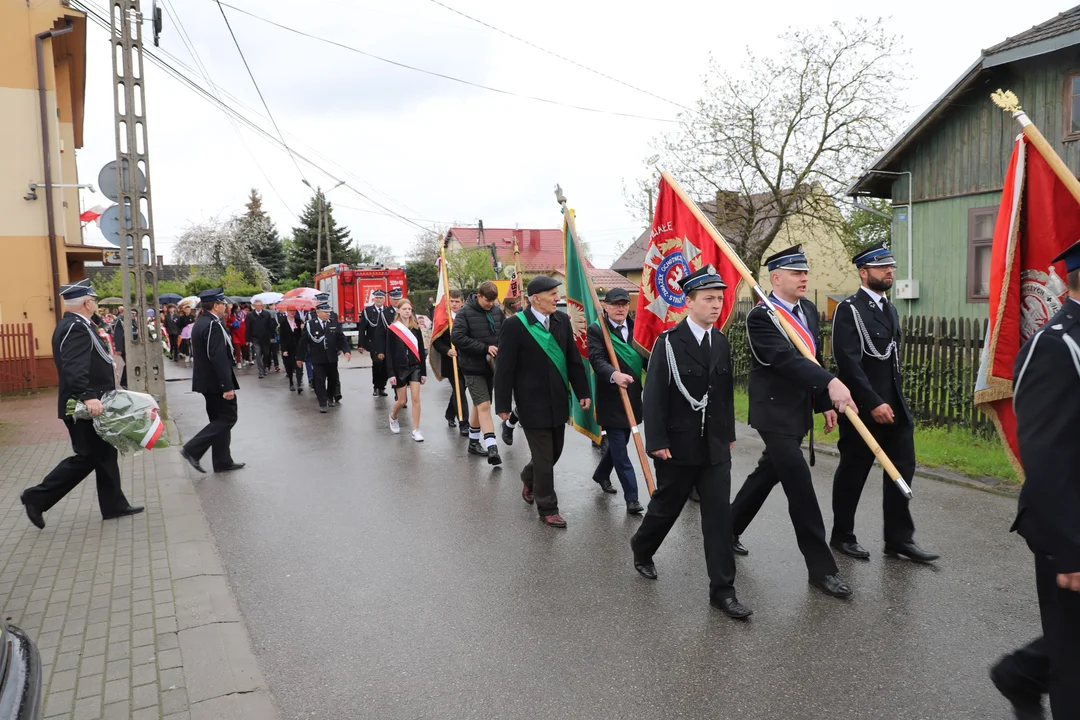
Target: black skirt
(408, 375)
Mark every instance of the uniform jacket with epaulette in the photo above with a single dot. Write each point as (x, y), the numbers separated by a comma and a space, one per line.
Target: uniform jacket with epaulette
(321, 344)
(82, 360)
(212, 351)
(785, 387)
(1045, 390)
(374, 324)
(866, 344)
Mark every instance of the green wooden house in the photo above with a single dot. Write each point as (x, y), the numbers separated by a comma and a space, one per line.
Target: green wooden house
(944, 174)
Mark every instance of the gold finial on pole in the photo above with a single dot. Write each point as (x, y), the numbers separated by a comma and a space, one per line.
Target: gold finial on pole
(1006, 100)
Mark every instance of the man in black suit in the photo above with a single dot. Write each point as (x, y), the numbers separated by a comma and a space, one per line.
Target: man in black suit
(374, 323)
(785, 390)
(690, 430)
(260, 327)
(213, 378)
(610, 411)
(1046, 385)
(537, 365)
(447, 352)
(866, 343)
(320, 342)
(86, 373)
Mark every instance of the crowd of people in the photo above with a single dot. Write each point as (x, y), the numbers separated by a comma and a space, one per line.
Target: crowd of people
(514, 366)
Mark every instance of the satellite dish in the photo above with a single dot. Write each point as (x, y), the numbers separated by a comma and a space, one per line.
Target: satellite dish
(107, 180)
(111, 228)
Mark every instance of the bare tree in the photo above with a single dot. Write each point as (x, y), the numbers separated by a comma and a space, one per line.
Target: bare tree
(785, 137)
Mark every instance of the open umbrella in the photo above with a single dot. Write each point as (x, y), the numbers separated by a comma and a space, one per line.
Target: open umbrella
(110, 301)
(296, 303)
(185, 334)
(267, 298)
(189, 302)
(301, 292)
(169, 298)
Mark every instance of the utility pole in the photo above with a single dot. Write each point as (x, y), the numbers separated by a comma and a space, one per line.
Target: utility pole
(326, 230)
(318, 234)
(145, 361)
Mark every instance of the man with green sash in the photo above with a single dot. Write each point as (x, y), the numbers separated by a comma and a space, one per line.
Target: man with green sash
(610, 411)
(537, 367)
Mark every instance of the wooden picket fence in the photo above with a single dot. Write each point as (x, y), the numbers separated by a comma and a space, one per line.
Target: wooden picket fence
(940, 360)
(18, 365)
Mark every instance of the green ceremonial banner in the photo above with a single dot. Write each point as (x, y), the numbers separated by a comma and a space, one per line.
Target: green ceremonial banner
(582, 314)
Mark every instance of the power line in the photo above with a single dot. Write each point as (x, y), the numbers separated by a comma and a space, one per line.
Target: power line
(557, 55)
(190, 45)
(257, 89)
(105, 24)
(509, 93)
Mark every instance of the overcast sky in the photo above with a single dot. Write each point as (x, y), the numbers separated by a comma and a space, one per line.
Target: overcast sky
(434, 150)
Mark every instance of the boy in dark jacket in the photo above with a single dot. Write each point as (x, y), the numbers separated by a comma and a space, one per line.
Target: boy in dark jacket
(476, 337)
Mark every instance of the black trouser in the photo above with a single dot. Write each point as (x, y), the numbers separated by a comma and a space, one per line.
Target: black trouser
(782, 462)
(673, 485)
(92, 454)
(291, 368)
(174, 345)
(326, 381)
(218, 433)
(1060, 611)
(546, 446)
(856, 462)
(378, 372)
(457, 385)
(1025, 671)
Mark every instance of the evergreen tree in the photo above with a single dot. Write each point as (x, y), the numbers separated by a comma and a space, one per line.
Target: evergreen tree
(301, 255)
(266, 246)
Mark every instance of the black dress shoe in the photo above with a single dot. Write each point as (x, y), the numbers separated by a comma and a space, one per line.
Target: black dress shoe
(463, 429)
(338, 400)
(382, 392)
(475, 448)
(633, 507)
(493, 455)
(191, 460)
(375, 392)
(234, 466)
(1026, 705)
(299, 389)
(33, 513)
(451, 422)
(738, 547)
(911, 551)
(645, 569)
(851, 549)
(605, 485)
(322, 408)
(507, 434)
(129, 510)
(731, 607)
(292, 388)
(833, 585)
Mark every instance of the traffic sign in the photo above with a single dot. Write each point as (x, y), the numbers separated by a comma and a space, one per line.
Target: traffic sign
(107, 180)
(110, 224)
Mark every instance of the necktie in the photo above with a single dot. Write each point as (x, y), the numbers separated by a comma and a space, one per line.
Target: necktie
(884, 304)
(706, 346)
(622, 332)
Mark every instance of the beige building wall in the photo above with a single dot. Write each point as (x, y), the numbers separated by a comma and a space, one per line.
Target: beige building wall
(27, 290)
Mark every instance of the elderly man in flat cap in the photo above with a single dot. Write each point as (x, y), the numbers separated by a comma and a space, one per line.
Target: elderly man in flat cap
(537, 366)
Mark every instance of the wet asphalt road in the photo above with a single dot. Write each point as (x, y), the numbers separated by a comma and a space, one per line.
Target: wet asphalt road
(383, 578)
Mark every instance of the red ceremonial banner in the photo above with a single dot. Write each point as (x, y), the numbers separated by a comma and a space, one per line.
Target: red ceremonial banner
(1037, 219)
(678, 246)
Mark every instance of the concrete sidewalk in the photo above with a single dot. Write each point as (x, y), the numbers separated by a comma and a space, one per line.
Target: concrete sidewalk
(133, 617)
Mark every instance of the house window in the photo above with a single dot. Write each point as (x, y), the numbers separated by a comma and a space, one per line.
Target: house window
(980, 243)
(1072, 106)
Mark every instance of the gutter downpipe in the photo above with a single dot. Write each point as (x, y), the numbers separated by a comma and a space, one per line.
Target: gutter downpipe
(910, 218)
(47, 153)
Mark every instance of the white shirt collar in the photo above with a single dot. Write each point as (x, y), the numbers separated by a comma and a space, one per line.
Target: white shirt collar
(699, 332)
(785, 304)
(539, 316)
(873, 295)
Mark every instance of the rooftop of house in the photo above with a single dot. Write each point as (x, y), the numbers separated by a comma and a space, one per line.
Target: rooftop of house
(541, 250)
(1059, 32)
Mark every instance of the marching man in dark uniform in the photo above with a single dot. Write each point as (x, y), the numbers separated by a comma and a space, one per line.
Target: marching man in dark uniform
(213, 378)
(689, 408)
(610, 411)
(866, 343)
(537, 365)
(321, 341)
(1046, 386)
(374, 324)
(785, 390)
(86, 372)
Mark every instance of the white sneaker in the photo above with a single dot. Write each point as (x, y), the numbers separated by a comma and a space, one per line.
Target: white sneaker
(394, 426)
(417, 436)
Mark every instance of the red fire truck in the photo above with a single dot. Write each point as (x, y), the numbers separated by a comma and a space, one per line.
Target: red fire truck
(351, 290)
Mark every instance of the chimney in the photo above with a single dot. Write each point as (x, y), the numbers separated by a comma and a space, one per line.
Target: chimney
(160, 260)
(534, 240)
(519, 235)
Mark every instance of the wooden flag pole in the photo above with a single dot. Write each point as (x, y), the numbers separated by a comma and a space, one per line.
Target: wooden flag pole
(849, 411)
(443, 242)
(650, 484)
(1007, 101)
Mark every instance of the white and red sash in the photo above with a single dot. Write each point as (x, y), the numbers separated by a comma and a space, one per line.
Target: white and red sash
(406, 336)
(800, 329)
